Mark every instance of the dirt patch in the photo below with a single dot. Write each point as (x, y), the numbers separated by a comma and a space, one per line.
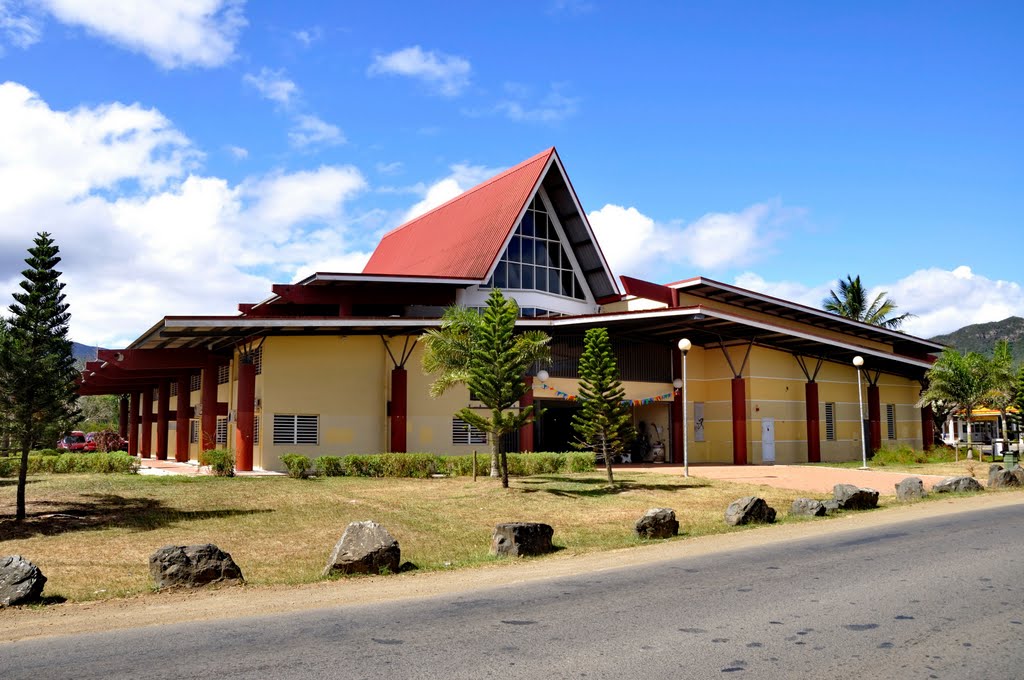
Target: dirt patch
(177, 607)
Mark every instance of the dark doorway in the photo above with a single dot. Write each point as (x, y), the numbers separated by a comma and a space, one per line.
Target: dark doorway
(554, 427)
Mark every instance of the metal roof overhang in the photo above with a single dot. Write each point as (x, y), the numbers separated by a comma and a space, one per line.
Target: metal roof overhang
(711, 328)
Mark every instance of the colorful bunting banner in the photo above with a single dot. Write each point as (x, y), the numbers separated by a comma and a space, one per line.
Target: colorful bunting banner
(668, 396)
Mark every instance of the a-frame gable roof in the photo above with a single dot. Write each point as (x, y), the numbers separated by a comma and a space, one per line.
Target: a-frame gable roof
(466, 236)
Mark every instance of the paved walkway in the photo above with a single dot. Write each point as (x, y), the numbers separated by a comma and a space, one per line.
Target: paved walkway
(152, 466)
(814, 478)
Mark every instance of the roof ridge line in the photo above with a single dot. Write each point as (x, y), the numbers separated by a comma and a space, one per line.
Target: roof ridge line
(515, 168)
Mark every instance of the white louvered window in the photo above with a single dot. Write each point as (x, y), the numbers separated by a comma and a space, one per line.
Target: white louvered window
(256, 430)
(464, 433)
(223, 374)
(296, 429)
(222, 431)
(830, 421)
(257, 360)
(193, 432)
(195, 381)
(174, 389)
(890, 420)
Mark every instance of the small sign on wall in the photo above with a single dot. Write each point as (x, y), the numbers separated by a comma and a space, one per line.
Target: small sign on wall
(698, 421)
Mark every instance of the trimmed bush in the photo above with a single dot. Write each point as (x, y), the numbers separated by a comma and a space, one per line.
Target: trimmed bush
(297, 464)
(903, 454)
(221, 461)
(329, 466)
(65, 463)
(46, 452)
(418, 465)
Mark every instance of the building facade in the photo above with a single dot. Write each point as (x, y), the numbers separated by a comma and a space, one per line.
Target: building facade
(330, 365)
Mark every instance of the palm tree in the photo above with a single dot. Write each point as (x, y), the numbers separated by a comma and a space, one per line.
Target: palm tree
(852, 303)
(1005, 383)
(959, 381)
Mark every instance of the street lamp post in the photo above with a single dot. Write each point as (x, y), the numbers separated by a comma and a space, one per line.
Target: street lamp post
(684, 347)
(858, 361)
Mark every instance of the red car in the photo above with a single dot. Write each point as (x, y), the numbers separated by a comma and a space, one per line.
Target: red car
(75, 441)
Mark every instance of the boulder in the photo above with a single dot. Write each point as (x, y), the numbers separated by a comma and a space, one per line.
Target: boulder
(20, 581)
(521, 538)
(831, 505)
(365, 548)
(192, 566)
(993, 470)
(807, 507)
(961, 484)
(850, 497)
(749, 509)
(910, 489)
(1001, 479)
(1018, 472)
(657, 523)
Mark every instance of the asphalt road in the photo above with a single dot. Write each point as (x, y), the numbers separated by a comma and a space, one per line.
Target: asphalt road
(936, 598)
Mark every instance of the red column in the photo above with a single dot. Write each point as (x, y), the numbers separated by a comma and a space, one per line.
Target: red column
(678, 426)
(399, 408)
(246, 412)
(739, 421)
(146, 439)
(813, 424)
(874, 419)
(163, 407)
(927, 427)
(133, 425)
(122, 417)
(181, 418)
(208, 404)
(526, 431)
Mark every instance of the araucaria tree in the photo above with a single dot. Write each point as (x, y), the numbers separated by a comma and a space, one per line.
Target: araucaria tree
(1004, 378)
(603, 423)
(488, 356)
(37, 368)
(961, 382)
(851, 302)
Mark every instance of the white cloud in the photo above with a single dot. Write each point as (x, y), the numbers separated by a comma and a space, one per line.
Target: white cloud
(634, 243)
(941, 300)
(19, 29)
(551, 108)
(141, 233)
(448, 74)
(308, 36)
(390, 168)
(238, 152)
(462, 177)
(273, 85)
(311, 131)
(173, 33)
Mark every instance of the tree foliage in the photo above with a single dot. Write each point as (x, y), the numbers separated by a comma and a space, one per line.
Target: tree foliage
(1004, 382)
(851, 302)
(37, 368)
(959, 382)
(488, 356)
(603, 423)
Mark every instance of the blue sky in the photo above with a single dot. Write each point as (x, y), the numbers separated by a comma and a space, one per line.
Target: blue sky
(187, 154)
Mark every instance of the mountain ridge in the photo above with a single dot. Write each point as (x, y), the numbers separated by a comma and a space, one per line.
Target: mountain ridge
(982, 337)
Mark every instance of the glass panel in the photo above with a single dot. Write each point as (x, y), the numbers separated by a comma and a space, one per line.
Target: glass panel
(514, 280)
(578, 292)
(567, 278)
(527, 244)
(542, 225)
(541, 275)
(540, 254)
(554, 285)
(554, 254)
(500, 279)
(512, 254)
(528, 277)
(526, 226)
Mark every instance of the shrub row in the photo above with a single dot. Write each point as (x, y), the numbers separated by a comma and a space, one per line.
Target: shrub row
(116, 461)
(422, 465)
(904, 454)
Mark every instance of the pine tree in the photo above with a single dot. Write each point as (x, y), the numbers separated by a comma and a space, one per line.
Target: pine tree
(491, 359)
(604, 422)
(37, 368)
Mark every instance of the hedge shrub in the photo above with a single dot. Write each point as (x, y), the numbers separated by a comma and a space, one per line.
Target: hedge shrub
(297, 464)
(221, 461)
(113, 462)
(423, 465)
(329, 466)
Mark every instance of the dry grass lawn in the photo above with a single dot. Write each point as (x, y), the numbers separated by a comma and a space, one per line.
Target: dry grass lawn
(92, 534)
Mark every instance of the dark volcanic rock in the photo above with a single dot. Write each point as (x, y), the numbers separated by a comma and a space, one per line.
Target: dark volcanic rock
(950, 484)
(749, 509)
(192, 566)
(910, 489)
(20, 581)
(521, 538)
(657, 523)
(852, 497)
(808, 507)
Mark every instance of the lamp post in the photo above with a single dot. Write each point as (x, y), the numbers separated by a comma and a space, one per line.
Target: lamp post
(542, 375)
(858, 361)
(684, 347)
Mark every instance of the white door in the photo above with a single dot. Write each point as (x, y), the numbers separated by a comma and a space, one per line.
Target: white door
(767, 440)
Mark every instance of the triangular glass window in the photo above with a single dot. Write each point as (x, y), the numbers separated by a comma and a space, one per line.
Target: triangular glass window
(535, 258)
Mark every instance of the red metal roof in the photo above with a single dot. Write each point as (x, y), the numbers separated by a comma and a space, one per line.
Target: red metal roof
(463, 237)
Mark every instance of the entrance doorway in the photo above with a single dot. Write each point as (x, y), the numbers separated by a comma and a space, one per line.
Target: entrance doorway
(554, 427)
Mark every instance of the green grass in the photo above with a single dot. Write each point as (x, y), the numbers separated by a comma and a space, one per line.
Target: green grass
(92, 534)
